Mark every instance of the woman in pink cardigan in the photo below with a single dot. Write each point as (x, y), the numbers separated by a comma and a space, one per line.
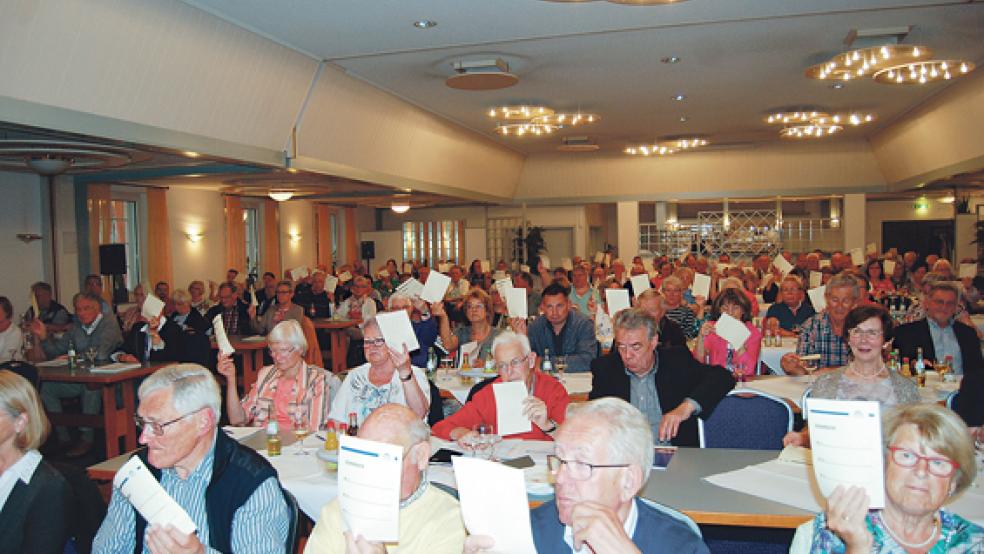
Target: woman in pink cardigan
(709, 344)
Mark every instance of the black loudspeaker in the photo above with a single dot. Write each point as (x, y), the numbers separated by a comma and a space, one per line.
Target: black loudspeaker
(112, 259)
(368, 250)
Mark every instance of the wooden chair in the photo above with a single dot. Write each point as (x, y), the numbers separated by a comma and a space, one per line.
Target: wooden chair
(313, 355)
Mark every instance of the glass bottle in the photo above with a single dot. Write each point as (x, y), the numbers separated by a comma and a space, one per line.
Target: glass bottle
(72, 364)
(547, 365)
(273, 438)
(353, 425)
(920, 363)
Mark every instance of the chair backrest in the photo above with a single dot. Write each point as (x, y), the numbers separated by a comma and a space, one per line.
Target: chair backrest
(951, 400)
(747, 419)
(803, 400)
(675, 514)
(294, 523)
(313, 354)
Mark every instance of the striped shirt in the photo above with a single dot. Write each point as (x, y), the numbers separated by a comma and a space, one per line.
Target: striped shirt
(685, 318)
(259, 525)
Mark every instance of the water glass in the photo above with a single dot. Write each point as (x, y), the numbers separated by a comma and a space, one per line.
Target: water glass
(299, 417)
(560, 364)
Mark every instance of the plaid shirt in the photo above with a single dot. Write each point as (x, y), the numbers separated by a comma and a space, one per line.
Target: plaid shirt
(817, 337)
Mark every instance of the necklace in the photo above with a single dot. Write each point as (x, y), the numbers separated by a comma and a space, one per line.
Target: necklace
(929, 539)
(877, 372)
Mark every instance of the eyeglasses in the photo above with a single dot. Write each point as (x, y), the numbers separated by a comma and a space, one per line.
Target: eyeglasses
(283, 292)
(634, 347)
(476, 307)
(159, 428)
(938, 466)
(858, 332)
(281, 350)
(578, 471)
(514, 363)
(374, 343)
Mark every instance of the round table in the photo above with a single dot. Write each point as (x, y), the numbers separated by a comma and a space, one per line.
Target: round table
(771, 355)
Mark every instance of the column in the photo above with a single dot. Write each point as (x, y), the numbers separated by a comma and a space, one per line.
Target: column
(853, 221)
(627, 217)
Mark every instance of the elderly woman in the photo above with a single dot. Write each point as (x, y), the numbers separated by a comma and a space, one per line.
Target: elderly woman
(866, 377)
(478, 313)
(720, 352)
(545, 406)
(34, 497)
(387, 377)
(880, 284)
(199, 301)
(289, 384)
(185, 316)
(676, 310)
(929, 461)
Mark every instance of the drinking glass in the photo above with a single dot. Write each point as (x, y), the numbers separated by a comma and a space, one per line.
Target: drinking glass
(484, 445)
(299, 417)
(560, 363)
(90, 354)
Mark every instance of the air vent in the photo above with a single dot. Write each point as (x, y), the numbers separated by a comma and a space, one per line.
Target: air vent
(490, 74)
(577, 144)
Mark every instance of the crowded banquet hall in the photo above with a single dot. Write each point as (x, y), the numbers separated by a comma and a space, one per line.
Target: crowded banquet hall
(463, 276)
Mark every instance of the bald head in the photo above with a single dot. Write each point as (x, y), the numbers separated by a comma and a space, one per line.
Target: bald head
(394, 424)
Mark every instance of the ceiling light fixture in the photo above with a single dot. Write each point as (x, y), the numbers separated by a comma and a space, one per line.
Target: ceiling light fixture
(401, 203)
(811, 130)
(520, 112)
(565, 119)
(425, 23)
(948, 199)
(684, 119)
(685, 142)
(859, 63)
(815, 123)
(920, 73)
(679, 97)
(804, 115)
(281, 195)
(648, 150)
(523, 129)
(485, 74)
(670, 59)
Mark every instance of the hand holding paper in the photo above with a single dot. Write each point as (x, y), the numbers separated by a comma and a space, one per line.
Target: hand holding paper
(782, 264)
(640, 284)
(702, 285)
(617, 300)
(817, 298)
(509, 398)
(732, 330)
(221, 338)
(152, 307)
(435, 288)
(846, 440)
(516, 303)
(397, 331)
(148, 497)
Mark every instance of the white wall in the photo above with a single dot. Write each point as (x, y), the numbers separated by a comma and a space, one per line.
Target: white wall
(20, 212)
(388, 245)
(196, 211)
(297, 218)
(66, 240)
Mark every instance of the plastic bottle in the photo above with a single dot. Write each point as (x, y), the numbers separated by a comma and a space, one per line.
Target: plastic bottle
(331, 437)
(273, 438)
(920, 363)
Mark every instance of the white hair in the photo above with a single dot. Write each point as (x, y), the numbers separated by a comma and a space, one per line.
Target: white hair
(193, 387)
(509, 337)
(396, 296)
(289, 331)
(627, 432)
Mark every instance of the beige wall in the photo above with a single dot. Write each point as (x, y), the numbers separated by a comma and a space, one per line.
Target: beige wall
(20, 212)
(196, 211)
(297, 218)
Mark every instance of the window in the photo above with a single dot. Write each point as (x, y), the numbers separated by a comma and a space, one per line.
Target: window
(123, 229)
(252, 233)
(501, 239)
(432, 241)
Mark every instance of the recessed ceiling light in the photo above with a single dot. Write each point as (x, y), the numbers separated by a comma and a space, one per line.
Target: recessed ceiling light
(424, 23)
(684, 119)
(679, 97)
(670, 59)
(837, 86)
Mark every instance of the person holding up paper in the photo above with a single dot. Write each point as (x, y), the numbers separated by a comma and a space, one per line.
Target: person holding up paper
(881, 284)
(720, 342)
(387, 377)
(430, 519)
(34, 510)
(478, 312)
(283, 310)
(668, 385)
(792, 309)
(823, 333)
(544, 407)
(234, 312)
(231, 494)
(869, 330)
(563, 331)
(425, 328)
(929, 461)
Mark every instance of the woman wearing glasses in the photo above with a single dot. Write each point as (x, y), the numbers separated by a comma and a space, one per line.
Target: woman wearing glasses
(868, 330)
(929, 461)
(478, 313)
(289, 384)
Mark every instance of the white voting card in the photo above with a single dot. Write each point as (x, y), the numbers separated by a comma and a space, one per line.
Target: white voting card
(499, 274)
(782, 264)
(567, 264)
(816, 279)
(857, 256)
(369, 488)
(647, 264)
(397, 331)
(509, 408)
(502, 285)
(299, 273)
(383, 273)
(702, 285)
(444, 267)
(545, 260)
(435, 288)
(344, 277)
(871, 248)
(732, 330)
(411, 287)
(889, 267)
(524, 268)
(824, 263)
(494, 503)
(817, 298)
(252, 297)
(617, 300)
(148, 497)
(968, 270)
(599, 257)
(845, 436)
(640, 284)
(221, 338)
(407, 267)
(331, 283)
(486, 266)
(152, 307)
(516, 303)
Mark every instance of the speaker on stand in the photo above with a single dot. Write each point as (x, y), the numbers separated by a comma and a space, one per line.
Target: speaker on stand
(112, 261)
(368, 253)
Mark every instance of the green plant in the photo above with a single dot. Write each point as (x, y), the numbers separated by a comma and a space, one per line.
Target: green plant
(530, 245)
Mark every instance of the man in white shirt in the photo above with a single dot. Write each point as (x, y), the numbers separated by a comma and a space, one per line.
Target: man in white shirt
(11, 338)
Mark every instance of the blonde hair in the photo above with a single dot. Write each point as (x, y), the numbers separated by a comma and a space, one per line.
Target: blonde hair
(18, 396)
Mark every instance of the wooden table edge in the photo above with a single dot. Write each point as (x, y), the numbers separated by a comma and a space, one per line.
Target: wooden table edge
(776, 521)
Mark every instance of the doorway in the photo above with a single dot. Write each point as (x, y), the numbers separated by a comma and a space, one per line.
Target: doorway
(934, 236)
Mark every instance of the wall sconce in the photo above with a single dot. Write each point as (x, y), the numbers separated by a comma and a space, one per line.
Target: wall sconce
(194, 236)
(294, 236)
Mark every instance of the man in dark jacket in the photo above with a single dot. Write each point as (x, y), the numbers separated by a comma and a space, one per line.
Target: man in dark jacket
(939, 335)
(666, 384)
(235, 315)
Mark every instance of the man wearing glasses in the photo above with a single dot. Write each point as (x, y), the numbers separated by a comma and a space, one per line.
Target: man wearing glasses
(283, 310)
(226, 488)
(595, 486)
(545, 406)
(666, 384)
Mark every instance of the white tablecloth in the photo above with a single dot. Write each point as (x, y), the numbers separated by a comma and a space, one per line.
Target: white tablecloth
(770, 355)
(793, 387)
(447, 379)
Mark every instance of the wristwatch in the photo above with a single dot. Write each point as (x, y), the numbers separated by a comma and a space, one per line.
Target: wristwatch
(553, 427)
(409, 376)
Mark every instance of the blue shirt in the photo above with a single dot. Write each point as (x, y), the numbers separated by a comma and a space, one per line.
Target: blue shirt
(787, 319)
(578, 340)
(945, 344)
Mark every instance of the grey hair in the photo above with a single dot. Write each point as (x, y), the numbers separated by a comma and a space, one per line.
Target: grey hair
(509, 337)
(289, 331)
(671, 280)
(794, 279)
(947, 286)
(193, 387)
(636, 318)
(396, 296)
(844, 280)
(628, 436)
(371, 322)
(181, 296)
(730, 282)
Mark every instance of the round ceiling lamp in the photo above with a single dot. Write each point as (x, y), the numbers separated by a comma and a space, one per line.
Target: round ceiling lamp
(401, 203)
(486, 74)
(787, 117)
(52, 157)
(281, 195)
(859, 63)
(920, 73)
(48, 165)
(525, 129)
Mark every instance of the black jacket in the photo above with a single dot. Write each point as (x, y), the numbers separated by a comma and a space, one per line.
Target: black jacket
(35, 517)
(243, 328)
(678, 376)
(914, 335)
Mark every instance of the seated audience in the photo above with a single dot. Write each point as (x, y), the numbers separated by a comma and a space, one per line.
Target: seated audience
(939, 334)
(34, 498)
(719, 352)
(596, 483)
(823, 333)
(234, 312)
(478, 313)
(545, 406)
(230, 492)
(430, 519)
(94, 285)
(55, 317)
(157, 340)
(194, 341)
(199, 302)
(133, 314)
(162, 290)
(266, 296)
(929, 461)
(318, 302)
(93, 330)
(583, 296)
(283, 310)
(667, 384)
(424, 326)
(880, 284)
(387, 377)
(11, 337)
(676, 310)
(792, 309)
(669, 332)
(865, 377)
(358, 306)
(561, 330)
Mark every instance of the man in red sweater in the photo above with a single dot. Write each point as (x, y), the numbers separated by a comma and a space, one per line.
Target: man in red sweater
(545, 406)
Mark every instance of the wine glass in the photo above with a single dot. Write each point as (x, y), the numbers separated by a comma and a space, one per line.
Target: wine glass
(484, 446)
(263, 406)
(90, 354)
(299, 417)
(560, 363)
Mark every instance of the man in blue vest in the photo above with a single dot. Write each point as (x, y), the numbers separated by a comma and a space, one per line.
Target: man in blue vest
(230, 492)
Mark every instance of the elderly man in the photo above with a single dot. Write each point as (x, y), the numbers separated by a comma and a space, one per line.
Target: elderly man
(669, 332)
(284, 309)
(94, 330)
(94, 285)
(561, 330)
(667, 384)
(267, 295)
(823, 333)
(317, 302)
(54, 316)
(235, 314)
(939, 334)
(545, 406)
(793, 310)
(230, 492)
(430, 519)
(596, 508)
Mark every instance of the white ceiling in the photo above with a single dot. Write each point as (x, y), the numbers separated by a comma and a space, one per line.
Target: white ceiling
(739, 59)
